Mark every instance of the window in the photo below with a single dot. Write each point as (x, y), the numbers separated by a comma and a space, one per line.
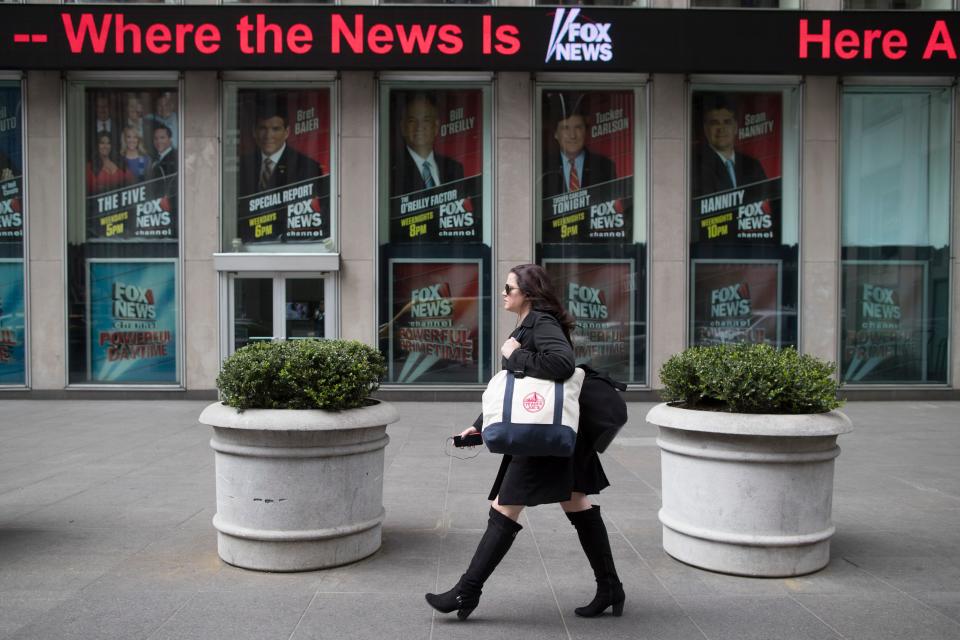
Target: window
(434, 233)
(744, 214)
(889, 5)
(13, 360)
(591, 220)
(895, 235)
(277, 169)
(123, 230)
(745, 4)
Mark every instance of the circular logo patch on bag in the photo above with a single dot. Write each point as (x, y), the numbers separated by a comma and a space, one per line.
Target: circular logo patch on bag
(533, 402)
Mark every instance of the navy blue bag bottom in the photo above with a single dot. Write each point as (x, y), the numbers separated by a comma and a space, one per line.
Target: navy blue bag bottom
(530, 439)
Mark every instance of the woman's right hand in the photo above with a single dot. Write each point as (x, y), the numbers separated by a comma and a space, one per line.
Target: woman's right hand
(468, 431)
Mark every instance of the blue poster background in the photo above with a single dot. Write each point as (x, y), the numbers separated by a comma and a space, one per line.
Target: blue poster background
(12, 353)
(133, 322)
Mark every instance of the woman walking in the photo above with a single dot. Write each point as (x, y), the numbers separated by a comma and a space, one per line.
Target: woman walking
(539, 346)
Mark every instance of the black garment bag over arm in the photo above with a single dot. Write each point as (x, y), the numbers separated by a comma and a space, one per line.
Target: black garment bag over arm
(603, 411)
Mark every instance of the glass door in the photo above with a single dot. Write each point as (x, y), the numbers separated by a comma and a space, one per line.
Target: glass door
(278, 306)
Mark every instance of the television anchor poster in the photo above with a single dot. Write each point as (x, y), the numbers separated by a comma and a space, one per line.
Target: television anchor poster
(436, 166)
(586, 187)
(283, 166)
(736, 167)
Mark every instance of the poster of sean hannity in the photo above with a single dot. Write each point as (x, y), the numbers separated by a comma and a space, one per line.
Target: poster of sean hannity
(601, 295)
(283, 166)
(132, 315)
(735, 175)
(588, 160)
(436, 166)
(434, 335)
(736, 301)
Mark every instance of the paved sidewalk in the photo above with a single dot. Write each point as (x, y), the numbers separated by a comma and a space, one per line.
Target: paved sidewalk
(105, 532)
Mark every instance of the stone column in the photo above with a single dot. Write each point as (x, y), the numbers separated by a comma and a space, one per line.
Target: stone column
(668, 239)
(44, 190)
(358, 206)
(200, 166)
(514, 186)
(820, 220)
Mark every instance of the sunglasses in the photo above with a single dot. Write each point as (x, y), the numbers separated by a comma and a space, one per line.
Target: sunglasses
(507, 289)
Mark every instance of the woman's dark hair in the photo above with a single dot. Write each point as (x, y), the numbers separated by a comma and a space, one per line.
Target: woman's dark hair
(535, 284)
(96, 162)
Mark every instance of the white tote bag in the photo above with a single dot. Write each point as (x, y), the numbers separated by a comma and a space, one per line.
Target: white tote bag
(529, 416)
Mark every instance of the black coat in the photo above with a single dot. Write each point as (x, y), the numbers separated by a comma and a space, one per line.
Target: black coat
(596, 169)
(710, 175)
(166, 168)
(405, 176)
(545, 353)
(292, 167)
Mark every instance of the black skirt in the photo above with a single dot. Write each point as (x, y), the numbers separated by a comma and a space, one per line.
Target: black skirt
(530, 481)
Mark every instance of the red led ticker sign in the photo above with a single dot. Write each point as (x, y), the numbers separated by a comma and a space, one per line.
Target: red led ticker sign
(476, 38)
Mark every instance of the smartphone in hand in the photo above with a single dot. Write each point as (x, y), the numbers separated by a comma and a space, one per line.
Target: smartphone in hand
(472, 440)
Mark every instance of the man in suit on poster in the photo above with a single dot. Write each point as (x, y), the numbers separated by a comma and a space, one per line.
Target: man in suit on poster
(164, 161)
(418, 166)
(717, 166)
(274, 163)
(575, 167)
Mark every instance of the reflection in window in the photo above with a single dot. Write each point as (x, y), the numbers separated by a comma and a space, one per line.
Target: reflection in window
(13, 310)
(591, 222)
(744, 216)
(895, 241)
(591, 3)
(123, 234)
(890, 5)
(277, 170)
(434, 234)
(745, 4)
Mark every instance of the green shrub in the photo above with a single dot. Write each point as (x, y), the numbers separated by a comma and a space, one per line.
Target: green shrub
(301, 374)
(753, 378)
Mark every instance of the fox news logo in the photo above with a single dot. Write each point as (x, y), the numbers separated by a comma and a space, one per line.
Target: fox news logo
(576, 41)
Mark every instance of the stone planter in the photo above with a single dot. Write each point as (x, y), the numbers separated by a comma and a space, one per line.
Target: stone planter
(748, 494)
(298, 490)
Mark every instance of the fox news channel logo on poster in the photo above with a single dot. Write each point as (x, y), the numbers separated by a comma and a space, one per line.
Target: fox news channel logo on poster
(578, 41)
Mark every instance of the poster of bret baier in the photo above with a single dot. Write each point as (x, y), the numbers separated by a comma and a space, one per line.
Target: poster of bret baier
(736, 167)
(283, 175)
(132, 315)
(434, 334)
(436, 166)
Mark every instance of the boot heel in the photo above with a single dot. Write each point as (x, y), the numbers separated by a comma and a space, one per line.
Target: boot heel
(618, 609)
(463, 614)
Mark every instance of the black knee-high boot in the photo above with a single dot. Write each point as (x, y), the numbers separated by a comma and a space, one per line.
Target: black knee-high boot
(596, 544)
(465, 595)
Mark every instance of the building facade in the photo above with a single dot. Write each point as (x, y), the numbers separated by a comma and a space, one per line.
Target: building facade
(180, 181)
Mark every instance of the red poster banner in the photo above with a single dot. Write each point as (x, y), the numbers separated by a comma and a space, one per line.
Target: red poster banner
(600, 295)
(283, 174)
(736, 166)
(434, 333)
(587, 161)
(736, 301)
(436, 166)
